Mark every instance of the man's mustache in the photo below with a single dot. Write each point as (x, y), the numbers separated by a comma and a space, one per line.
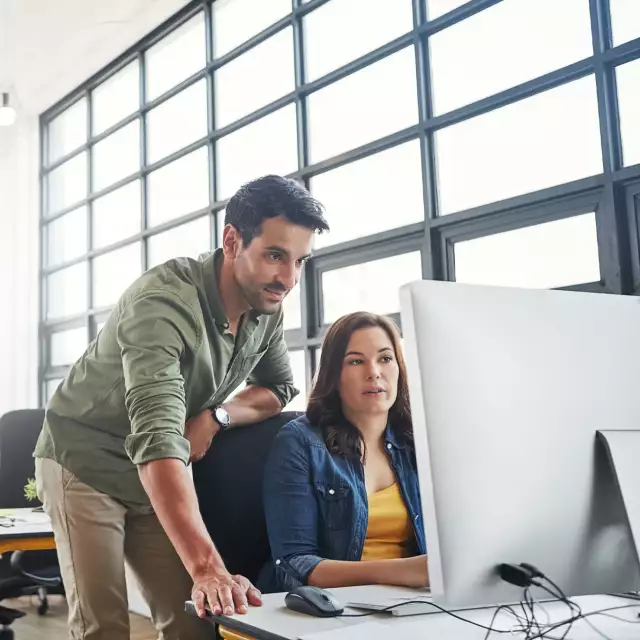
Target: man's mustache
(277, 287)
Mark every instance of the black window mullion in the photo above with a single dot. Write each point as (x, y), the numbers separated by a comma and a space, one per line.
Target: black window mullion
(613, 245)
(307, 291)
(605, 84)
(89, 204)
(427, 155)
(211, 118)
(144, 184)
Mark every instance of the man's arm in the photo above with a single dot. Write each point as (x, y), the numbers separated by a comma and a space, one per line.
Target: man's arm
(154, 332)
(252, 404)
(273, 373)
(269, 389)
(173, 497)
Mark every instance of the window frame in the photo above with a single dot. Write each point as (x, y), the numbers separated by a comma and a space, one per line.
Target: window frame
(613, 191)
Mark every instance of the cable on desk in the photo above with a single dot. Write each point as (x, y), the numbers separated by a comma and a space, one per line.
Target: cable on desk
(427, 602)
(526, 575)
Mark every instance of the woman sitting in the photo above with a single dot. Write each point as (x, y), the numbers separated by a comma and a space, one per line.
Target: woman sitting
(341, 491)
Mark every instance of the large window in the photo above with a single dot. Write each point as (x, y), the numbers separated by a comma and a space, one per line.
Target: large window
(436, 155)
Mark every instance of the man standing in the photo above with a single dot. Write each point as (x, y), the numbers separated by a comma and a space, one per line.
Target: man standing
(148, 396)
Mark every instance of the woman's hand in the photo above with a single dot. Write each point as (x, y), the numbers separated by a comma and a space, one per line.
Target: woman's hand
(402, 572)
(415, 572)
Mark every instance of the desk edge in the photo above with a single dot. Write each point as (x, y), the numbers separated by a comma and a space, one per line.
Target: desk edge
(235, 624)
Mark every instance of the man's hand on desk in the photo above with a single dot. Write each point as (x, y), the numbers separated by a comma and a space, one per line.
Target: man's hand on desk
(224, 593)
(200, 431)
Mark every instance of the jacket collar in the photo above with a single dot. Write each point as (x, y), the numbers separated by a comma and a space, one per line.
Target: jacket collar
(391, 438)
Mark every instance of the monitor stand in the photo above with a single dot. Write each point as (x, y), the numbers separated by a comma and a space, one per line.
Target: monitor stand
(623, 451)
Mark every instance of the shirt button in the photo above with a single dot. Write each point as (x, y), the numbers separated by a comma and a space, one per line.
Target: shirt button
(388, 445)
(331, 492)
(278, 561)
(225, 325)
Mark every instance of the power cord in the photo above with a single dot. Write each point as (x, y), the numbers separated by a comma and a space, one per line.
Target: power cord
(526, 576)
(524, 625)
(431, 604)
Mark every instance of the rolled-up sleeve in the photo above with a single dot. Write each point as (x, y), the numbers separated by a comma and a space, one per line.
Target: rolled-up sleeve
(291, 509)
(154, 332)
(274, 369)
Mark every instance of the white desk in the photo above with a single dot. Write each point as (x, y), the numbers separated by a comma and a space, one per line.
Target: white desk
(273, 621)
(29, 530)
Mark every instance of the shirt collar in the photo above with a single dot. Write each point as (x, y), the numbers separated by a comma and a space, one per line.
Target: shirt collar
(212, 264)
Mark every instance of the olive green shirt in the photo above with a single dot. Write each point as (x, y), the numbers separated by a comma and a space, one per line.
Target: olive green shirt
(164, 354)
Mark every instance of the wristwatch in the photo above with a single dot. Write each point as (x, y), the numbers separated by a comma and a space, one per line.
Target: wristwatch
(221, 416)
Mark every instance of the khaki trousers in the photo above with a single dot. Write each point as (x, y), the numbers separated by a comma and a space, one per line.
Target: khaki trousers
(94, 535)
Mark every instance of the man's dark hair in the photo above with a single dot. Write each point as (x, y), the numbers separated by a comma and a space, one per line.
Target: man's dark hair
(269, 197)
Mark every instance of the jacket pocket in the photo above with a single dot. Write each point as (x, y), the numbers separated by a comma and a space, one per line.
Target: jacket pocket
(335, 506)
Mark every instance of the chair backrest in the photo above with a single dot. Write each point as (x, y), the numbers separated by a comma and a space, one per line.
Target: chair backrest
(228, 483)
(19, 431)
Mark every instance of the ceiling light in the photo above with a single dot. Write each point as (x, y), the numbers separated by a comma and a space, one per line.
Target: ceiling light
(7, 112)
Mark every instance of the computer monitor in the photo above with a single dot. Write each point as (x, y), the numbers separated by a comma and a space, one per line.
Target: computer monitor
(508, 389)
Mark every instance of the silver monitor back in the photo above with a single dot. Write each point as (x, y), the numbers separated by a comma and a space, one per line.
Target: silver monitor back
(508, 388)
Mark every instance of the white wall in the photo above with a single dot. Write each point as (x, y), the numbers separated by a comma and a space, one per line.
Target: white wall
(19, 242)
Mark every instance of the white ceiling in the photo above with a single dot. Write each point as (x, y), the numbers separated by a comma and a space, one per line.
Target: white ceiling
(49, 47)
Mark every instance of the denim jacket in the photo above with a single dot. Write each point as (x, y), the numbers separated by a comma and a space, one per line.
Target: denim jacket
(316, 503)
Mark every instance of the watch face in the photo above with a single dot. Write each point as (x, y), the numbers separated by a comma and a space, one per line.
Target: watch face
(222, 416)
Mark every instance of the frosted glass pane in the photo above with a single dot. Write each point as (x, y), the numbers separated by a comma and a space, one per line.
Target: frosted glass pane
(67, 237)
(266, 146)
(113, 273)
(371, 286)
(367, 105)
(176, 57)
(68, 131)
(342, 30)
(116, 216)
(116, 98)
(242, 86)
(188, 240)
(236, 21)
(361, 200)
(543, 141)
(544, 256)
(468, 60)
(179, 188)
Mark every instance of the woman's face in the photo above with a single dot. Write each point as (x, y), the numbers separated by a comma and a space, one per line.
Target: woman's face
(369, 378)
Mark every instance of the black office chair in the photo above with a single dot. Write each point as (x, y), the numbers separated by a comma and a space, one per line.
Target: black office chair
(228, 482)
(22, 573)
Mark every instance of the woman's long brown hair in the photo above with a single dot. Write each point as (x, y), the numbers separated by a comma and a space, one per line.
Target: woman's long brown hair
(325, 406)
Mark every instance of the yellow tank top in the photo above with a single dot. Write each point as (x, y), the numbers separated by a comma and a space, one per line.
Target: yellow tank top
(389, 533)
